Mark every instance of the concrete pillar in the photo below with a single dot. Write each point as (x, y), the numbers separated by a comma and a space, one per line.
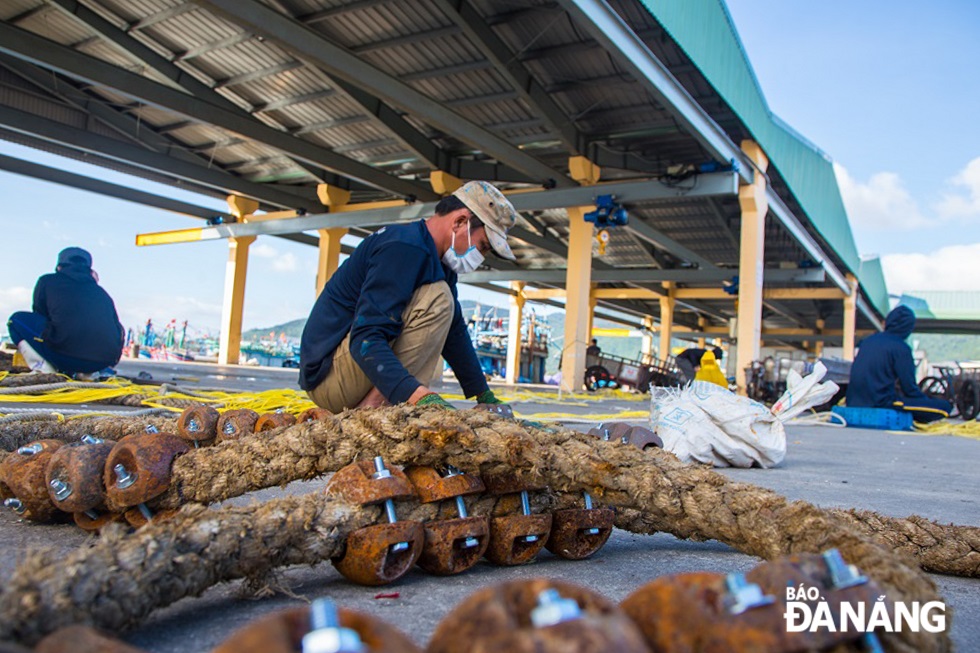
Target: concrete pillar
(752, 199)
(334, 198)
(578, 282)
(666, 319)
(818, 345)
(233, 306)
(514, 322)
(593, 302)
(233, 302)
(646, 343)
(850, 318)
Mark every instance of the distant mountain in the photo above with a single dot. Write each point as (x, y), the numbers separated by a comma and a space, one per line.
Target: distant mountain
(293, 329)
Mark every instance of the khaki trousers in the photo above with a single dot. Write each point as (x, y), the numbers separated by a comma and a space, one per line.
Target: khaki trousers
(426, 321)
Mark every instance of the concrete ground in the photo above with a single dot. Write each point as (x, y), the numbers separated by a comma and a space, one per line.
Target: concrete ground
(893, 473)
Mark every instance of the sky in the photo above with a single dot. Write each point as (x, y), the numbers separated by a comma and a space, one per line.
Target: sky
(887, 89)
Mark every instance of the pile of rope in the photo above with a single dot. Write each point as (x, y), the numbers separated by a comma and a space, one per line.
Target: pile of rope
(122, 578)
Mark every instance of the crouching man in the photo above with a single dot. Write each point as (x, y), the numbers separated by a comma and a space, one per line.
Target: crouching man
(391, 310)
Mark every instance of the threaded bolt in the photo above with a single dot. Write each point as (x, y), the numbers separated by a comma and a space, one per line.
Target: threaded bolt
(326, 634)
(91, 439)
(31, 449)
(553, 609)
(16, 505)
(588, 506)
(383, 472)
(62, 490)
(123, 477)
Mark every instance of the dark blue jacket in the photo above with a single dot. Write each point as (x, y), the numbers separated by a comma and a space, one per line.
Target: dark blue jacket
(366, 296)
(82, 319)
(883, 361)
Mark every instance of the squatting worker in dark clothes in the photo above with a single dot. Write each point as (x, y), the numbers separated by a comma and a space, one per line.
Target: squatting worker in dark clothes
(883, 373)
(390, 311)
(74, 328)
(689, 360)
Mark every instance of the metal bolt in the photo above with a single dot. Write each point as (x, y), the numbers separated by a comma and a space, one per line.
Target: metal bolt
(842, 575)
(326, 634)
(31, 449)
(16, 505)
(91, 514)
(193, 425)
(91, 439)
(588, 506)
(62, 490)
(553, 609)
(123, 477)
(146, 512)
(152, 429)
(228, 428)
(383, 472)
(470, 541)
(743, 595)
(526, 510)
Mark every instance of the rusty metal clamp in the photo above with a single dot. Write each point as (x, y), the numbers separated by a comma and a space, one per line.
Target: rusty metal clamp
(314, 415)
(74, 477)
(275, 420)
(23, 485)
(321, 628)
(577, 533)
(233, 424)
(198, 424)
(451, 545)
(515, 539)
(138, 469)
(612, 432)
(383, 553)
(543, 615)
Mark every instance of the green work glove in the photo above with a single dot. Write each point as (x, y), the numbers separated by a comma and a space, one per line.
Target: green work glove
(433, 399)
(487, 397)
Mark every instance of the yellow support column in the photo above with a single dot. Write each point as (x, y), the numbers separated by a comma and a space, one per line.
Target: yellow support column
(702, 341)
(333, 198)
(578, 280)
(818, 345)
(593, 302)
(646, 343)
(850, 318)
(444, 183)
(233, 304)
(577, 284)
(515, 320)
(752, 199)
(666, 319)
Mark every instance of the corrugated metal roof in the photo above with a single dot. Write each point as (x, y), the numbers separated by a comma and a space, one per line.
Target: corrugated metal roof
(943, 304)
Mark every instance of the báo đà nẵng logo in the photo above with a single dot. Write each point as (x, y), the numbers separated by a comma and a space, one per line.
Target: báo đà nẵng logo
(807, 610)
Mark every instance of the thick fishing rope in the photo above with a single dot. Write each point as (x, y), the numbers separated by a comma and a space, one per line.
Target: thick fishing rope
(121, 579)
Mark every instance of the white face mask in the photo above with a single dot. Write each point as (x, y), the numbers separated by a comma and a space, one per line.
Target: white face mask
(470, 260)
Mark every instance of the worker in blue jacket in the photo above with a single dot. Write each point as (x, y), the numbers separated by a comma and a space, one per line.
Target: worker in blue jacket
(73, 328)
(883, 373)
(388, 313)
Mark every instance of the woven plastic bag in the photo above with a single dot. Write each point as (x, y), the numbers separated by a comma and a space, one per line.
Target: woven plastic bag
(706, 423)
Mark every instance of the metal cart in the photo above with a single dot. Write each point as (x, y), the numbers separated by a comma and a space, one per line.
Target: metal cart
(608, 371)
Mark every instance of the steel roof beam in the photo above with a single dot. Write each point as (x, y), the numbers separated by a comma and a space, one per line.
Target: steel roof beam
(207, 48)
(341, 63)
(627, 48)
(81, 140)
(720, 183)
(49, 54)
(650, 275)
(542, 104)
(81, 182)
(659, 239)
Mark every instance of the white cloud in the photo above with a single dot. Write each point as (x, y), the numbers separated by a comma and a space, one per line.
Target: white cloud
(881, 203)
(964, 200)
(956, 267)
(281, 262)
(263, 251)
(134, 311)
(16, 298)
(285, 263)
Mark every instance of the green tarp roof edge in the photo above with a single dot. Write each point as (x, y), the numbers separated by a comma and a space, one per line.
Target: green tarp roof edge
(705, 31)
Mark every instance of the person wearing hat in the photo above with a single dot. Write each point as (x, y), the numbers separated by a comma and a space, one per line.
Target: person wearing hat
(73, 328)
(378, 329)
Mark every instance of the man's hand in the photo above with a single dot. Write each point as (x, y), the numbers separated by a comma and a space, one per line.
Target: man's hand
(433, 399)
(487, 397)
